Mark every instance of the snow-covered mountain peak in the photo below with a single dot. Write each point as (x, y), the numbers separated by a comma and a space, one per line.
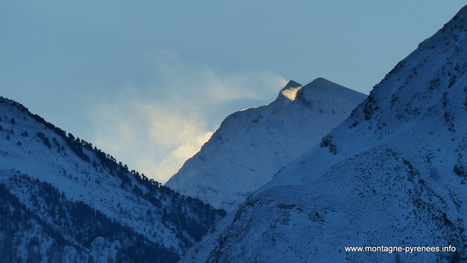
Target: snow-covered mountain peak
(322, 85)
(291, 84)
(321, 95)
(252, 145)
(322, 90)
(290, 90)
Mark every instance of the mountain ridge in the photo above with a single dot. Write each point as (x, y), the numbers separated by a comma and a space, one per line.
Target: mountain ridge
(392, 174)
(53, 179)
(252, 145)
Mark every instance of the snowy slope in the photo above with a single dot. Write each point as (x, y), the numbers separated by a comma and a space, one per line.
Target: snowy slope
(252, 145)
(52, 180)
(392, 174)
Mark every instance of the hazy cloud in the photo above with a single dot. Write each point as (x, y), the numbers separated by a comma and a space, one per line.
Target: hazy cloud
(154, 130)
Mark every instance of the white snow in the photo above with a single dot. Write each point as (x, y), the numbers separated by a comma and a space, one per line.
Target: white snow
(77, 179)
(392, 174)
(252, 145)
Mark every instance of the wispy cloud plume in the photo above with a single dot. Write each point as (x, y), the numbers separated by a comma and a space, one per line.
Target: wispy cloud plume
(154, 130)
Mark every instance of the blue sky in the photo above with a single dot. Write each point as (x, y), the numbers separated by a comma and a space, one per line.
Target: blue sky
(149, 81)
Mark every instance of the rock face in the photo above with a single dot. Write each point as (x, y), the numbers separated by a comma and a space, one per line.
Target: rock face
(252, 145)
(61, 200)
(391, 175)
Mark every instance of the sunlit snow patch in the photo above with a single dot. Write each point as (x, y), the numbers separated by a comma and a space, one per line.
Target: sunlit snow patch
(291, 93)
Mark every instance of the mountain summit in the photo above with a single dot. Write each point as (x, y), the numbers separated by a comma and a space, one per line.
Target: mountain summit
(252, 145)
(290, 90)
(387, 185)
